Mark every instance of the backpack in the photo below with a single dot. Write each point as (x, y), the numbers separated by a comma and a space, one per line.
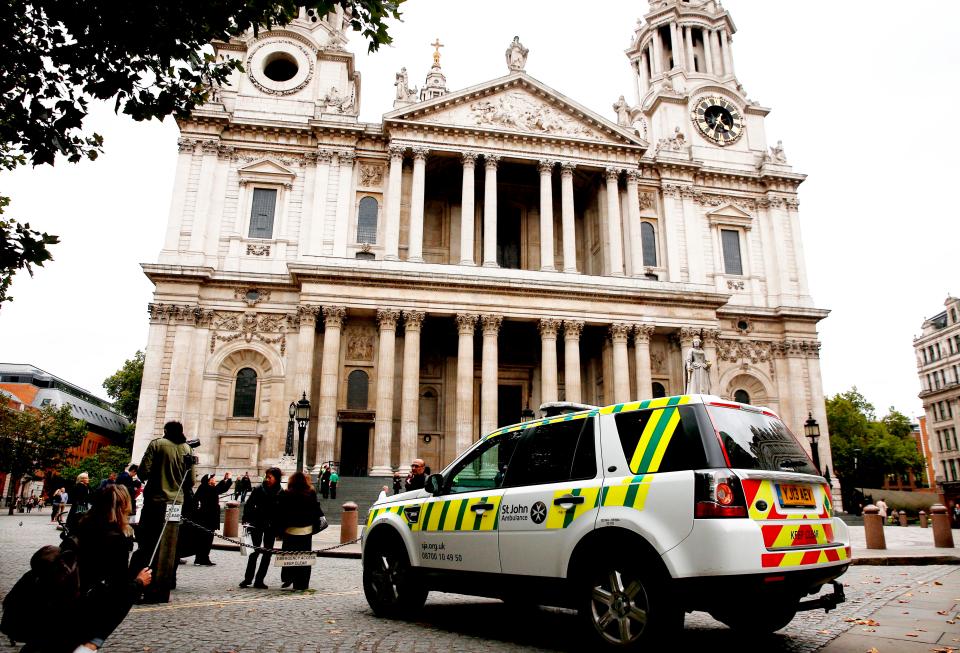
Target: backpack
(50, 586)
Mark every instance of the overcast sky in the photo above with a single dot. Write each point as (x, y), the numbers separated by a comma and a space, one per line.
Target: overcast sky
(864, 97)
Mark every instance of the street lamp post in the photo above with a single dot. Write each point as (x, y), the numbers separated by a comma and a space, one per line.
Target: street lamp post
(856, 471)
(301, 410)
(812, 430)
(288, 445)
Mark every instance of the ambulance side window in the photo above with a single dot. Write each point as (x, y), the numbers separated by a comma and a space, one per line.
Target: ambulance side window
(661, 440)
(554, 453)
(484, 469)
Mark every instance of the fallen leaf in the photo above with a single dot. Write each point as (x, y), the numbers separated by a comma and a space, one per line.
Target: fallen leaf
(912, 635)
(873, 649)
(943, 612)
(824, 632)
(869, 630)
(936, 582)
(951, 621)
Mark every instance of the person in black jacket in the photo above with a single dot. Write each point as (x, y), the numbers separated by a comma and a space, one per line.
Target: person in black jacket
(79, 501)
(207, 514)
(101, 541)
(260, 514)
(299, 514)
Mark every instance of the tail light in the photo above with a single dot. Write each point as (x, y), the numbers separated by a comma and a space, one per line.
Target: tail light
(718, 494)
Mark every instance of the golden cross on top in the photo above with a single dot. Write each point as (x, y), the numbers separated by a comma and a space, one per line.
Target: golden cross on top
(436, 53)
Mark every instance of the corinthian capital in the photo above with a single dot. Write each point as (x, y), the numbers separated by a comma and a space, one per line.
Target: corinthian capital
(710, 337)
(611, 173)
(643, 332)
(619, 331)
(469, 159)
(387, 318)
(413, 320)
(307, 314)
(466, 323)
(572, 329)
(397, 151)
(491, 160)
(333, 316)
(545, 166)
(549, 327)
(420, 153)
(491, 324)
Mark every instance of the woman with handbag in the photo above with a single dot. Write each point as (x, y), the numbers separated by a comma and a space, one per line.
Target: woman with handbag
(300, 517)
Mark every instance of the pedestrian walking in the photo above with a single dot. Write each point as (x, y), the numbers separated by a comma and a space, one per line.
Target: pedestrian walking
(325, 481)
(260, 516)
(299, 517)
(334, 480)
(397, 483)
(882, 509)
(109, 480)
(80, 501)
(129, 480)
(206, 514)
(245, 485)
(166, 462)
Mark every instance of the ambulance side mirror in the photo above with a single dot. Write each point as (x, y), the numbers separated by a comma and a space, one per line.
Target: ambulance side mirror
(434, 484)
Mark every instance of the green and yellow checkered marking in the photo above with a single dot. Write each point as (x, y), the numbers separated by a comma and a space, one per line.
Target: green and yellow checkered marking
(456, 515)
(560, 518)
(656, 434)
(376, 512)
(631, 492)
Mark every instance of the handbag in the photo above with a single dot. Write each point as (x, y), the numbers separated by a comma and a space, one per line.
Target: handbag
(320, 524)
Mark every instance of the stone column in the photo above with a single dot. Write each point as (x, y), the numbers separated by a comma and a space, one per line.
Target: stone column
(489, 373)
(567, 218)
(619, 333)
(201, 208)
(467, 209)
(710, 337)
(391, 238)
(546, 215)
(641, 348)
(613, 223)
(383, 424)
(315, 219)
(633, 206)
(410, 390)
(708, 50)
(673, 221)
(688, 42)
(490, 211)
(644, 75)
(466, 323)
(727, 54)
(147, 418)
(415, 251)
(717, 55)
(548, 359)
(333, 317)
(571, 359)
(676, 46)
(306, 338)
(636, 82)
(171, 241)
(657, 48)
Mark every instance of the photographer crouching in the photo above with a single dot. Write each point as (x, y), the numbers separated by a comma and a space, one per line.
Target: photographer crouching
(167, 470)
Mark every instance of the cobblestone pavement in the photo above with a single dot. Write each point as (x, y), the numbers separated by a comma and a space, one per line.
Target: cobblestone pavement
(210, 613)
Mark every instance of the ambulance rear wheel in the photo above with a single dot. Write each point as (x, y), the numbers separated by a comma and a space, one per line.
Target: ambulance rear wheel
(390, 584)
(626, 604)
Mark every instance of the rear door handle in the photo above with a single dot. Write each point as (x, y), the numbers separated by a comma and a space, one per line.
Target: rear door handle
(481, 507)
(568, 500)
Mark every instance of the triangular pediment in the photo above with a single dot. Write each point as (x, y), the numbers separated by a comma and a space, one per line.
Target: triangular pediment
(729, 211)
(267, 167)
(730, 215)
(517, 103)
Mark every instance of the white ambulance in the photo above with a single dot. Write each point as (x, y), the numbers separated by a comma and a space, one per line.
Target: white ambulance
(633, 514)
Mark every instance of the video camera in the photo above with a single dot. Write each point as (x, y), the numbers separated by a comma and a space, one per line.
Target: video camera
(189, 459)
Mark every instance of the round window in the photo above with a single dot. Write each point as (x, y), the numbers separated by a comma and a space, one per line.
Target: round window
(280, 67)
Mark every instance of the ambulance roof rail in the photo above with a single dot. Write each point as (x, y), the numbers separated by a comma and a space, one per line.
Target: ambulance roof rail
(552, 408)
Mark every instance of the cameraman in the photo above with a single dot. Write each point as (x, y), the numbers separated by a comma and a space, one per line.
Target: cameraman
(166, 462)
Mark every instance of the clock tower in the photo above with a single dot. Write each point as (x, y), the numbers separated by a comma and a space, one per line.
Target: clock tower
(686, 94)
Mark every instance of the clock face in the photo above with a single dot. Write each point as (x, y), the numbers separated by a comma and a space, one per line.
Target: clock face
(718, 119)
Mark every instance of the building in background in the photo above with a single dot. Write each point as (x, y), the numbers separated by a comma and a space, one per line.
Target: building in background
(25, 387)
(432, 276)
(938, 364)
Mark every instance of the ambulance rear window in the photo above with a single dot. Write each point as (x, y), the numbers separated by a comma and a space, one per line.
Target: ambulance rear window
(661, 440)
(756, 441)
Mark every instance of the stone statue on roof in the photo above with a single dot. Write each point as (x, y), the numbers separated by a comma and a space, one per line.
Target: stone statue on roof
(516, 56)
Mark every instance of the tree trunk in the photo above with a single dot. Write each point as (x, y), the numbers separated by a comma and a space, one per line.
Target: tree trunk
(12, 494)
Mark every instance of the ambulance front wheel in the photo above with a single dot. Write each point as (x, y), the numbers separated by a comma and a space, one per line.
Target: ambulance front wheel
(390, 584)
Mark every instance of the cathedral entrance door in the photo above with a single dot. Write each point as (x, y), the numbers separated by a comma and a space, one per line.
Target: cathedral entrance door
(354, 449)
(509, 404)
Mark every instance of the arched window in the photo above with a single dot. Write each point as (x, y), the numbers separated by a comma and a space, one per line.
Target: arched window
(245, 393)
(648, 238)
(741, 396)
(659, 390)
(358, 387)
(367, 221)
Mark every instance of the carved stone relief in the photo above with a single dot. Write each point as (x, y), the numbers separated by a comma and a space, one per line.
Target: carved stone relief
(228, 326)
(371, 175)
(516, 110)
(360, 341)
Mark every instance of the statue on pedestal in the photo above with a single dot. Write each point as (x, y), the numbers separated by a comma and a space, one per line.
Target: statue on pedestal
(516, 56)
(698, 370)
(623, 112)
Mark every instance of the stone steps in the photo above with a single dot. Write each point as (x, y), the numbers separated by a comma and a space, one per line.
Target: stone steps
(362, 490)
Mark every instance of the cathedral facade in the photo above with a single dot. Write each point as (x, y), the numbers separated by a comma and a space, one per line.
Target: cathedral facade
(428, 278)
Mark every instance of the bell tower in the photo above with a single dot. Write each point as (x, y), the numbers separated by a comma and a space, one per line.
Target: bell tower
(685, 87)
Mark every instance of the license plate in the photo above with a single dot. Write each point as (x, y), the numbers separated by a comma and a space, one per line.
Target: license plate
(796, 496)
